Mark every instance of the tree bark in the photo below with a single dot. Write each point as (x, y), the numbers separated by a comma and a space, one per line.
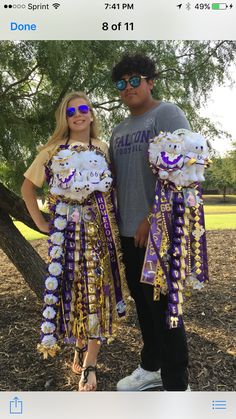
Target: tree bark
(14, 205)
(224, 193)
(21, 254)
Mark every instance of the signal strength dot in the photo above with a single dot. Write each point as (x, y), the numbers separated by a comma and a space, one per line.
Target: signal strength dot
(56, 5)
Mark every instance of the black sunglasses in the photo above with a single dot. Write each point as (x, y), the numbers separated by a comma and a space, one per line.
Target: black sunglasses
(134, 81)
(81, 108)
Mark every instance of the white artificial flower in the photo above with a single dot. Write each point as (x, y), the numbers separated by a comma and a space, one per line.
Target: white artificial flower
(194, 283)
(50, 299)
(56, 252)
(60, 223)
(49, 313)
(51, 283)
(48, 327)
(57, 238)
(49, 340)
(198, 285)
(120, 307)
(61, 208)
(55, 268)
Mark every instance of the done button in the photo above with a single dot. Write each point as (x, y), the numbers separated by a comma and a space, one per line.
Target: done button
(23, 26)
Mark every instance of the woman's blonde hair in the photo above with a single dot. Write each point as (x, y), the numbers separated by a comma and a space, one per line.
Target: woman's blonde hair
(61, 132)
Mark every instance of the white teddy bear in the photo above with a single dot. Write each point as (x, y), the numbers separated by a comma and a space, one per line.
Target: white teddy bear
(179, 157)
(78, 193)
(63, 168)
(166, 156)
(95, 171)
(196, 157)
(77, 174)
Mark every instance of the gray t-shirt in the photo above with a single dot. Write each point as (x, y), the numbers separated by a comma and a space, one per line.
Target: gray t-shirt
(135, 181)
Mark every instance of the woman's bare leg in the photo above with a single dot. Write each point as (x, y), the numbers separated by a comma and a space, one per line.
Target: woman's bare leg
(79, 357)
(90, 359)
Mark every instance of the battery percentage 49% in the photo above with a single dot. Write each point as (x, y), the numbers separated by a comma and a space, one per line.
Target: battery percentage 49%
(203, 6)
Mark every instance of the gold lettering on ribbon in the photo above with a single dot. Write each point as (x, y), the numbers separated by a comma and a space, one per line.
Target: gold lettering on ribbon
(165, 207)
(174, 322)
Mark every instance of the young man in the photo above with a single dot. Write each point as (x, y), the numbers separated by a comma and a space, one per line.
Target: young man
(164, 356)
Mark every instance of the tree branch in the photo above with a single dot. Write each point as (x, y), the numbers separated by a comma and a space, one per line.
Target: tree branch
(20, 81)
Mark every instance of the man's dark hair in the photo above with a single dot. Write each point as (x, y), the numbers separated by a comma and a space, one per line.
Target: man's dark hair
(131, 64)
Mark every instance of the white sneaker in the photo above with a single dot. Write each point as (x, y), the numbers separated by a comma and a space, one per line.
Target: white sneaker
(140, 380)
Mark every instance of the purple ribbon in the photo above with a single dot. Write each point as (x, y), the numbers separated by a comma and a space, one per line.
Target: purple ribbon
(155, 237)
(112, 252)
(166, 160)
(171, 205)
(154, 243)
(66, 179)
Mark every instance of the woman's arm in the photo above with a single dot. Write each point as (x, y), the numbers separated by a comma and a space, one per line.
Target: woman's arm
(29, 196)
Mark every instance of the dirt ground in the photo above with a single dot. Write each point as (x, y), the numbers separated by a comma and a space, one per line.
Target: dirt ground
(209, 321)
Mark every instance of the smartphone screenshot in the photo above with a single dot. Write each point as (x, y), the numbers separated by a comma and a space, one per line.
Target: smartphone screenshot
(117, 209)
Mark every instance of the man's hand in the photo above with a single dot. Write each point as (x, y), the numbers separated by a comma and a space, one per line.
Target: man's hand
(141, 235)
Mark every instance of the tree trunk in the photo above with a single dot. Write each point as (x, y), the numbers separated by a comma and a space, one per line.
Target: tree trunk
(224, 193)
(21, 254)
(15, 206)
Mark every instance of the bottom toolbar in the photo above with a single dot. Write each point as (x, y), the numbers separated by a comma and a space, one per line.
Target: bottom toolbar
(125, 405)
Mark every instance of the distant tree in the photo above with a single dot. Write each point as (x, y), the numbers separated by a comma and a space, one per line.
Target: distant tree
(232, 156)
(221, 175)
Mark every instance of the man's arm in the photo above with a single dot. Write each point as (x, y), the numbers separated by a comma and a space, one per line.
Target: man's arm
(171, 119)
(141, 235)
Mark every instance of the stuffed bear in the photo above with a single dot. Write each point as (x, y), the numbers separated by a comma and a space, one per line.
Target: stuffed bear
(95, 171)
(166, 156)
(76, 174)
(63, 168)
(196, 157)
(154, 150)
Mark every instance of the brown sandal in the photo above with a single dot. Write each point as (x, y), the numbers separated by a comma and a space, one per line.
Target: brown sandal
(77, 366)
(84, 378)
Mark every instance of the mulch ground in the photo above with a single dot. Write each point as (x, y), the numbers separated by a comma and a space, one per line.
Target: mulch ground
(209, 321)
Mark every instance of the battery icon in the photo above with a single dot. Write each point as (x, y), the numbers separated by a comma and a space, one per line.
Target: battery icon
(219, 6)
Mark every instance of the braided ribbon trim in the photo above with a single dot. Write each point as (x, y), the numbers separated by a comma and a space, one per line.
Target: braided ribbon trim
(114, 258)
(180, 231)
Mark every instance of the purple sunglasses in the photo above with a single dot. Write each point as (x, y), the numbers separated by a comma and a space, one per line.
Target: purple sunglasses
(81, 108)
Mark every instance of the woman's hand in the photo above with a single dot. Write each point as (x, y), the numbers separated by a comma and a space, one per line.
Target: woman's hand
(44, 226)
(30, 198)
(141, 235)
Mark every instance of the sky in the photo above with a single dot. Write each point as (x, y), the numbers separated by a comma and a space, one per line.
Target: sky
(221, 108)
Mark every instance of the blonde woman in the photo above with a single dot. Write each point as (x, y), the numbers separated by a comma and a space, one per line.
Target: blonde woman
(83, 283)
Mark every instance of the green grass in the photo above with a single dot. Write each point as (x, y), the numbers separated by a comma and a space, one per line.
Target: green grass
(220, 221)
(218, 200)
(220, 209)
(219, 216)
(27, 232)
